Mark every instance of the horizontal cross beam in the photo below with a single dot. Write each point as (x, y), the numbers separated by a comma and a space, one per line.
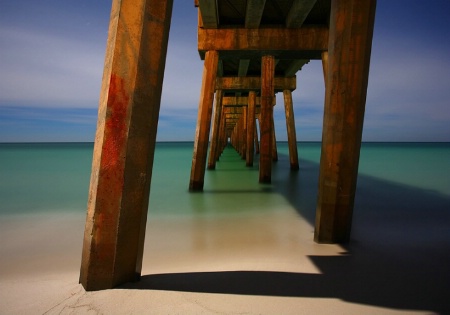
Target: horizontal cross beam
(268, 40)
(254, 84)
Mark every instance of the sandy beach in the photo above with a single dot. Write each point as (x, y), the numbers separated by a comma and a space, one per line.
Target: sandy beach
(245, 264)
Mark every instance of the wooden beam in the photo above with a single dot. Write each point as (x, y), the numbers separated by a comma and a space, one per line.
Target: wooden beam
(209, 13)
(267, 93)
(298, 12)
(233, 109)
(351, 30)
(295, 66)
(237, 101)
(310, 38)
(203, 121)
(254, 12)
(124, 143)
(243, 67)
(290, 125)
(254, 83)
(220, 69)
(242, 70)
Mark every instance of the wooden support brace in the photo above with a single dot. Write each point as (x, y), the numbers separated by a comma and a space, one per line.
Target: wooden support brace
(298, 12)
(208, 11)
(254, 12)
(124, 143)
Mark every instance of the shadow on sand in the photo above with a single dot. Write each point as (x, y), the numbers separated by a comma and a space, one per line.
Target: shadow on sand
(399, 255)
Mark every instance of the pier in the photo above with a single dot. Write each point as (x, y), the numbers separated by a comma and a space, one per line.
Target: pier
(251, 50)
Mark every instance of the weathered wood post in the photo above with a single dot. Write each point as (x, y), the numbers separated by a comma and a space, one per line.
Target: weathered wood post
(290, 126)
(267, 93)
(251, 108)
(125, 142)
(204, 120)
(350, 41)
(214, 143)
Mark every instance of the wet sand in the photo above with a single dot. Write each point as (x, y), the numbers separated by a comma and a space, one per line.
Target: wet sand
(248, 264)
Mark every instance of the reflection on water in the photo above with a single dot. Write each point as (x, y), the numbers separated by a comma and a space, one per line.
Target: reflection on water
(237, 222)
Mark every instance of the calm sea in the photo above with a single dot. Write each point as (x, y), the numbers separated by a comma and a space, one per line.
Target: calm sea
(54, 177)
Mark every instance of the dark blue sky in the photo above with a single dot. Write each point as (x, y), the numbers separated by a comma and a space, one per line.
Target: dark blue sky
(51, 63)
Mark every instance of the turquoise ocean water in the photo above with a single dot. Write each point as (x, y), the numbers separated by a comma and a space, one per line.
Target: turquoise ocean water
(54, 177)
(397, 257)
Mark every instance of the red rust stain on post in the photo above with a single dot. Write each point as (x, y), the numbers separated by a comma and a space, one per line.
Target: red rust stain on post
(115, 125)
(112, 165)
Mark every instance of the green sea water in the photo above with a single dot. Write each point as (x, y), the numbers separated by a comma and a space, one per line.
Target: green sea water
(54, 177)
(233, 231)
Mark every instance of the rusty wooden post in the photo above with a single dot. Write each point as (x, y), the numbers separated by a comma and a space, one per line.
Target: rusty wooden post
(350, 41)
(214, 143)
(267, 93)
(204, 121)
(290, 125)
(251, 110)
(124, 143)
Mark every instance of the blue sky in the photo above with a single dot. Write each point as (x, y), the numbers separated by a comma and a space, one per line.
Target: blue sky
(51, 64)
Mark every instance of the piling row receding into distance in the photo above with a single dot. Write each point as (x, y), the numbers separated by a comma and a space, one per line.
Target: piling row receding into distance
(250, 52)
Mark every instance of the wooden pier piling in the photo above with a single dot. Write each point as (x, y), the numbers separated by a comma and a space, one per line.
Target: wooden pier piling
(125, 143)
(351, 29)
(290, 126)
(251, 128)
(214, 143)
(266, 137)
(204, 121)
